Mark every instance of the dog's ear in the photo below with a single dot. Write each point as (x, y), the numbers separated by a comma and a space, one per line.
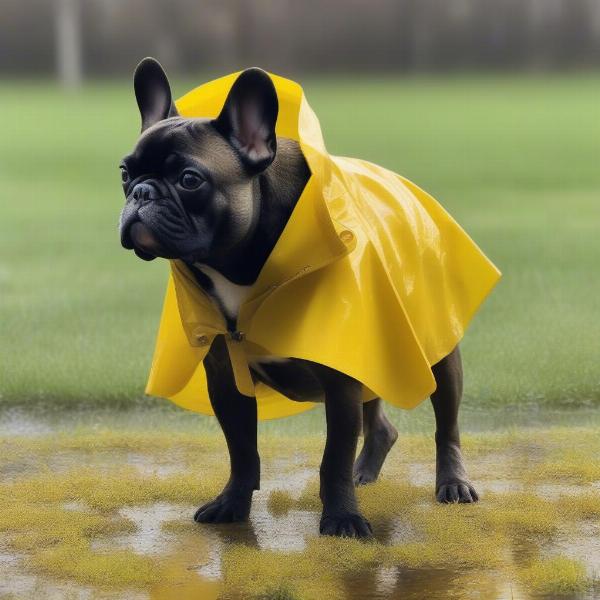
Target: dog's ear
(153, 93)
(248, 119)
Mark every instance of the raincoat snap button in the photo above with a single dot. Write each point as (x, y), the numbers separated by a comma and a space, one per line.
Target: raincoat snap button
(237, 336)
(202, 339)
(346, 236)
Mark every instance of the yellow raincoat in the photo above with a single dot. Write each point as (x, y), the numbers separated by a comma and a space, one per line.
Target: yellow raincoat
(370, 277)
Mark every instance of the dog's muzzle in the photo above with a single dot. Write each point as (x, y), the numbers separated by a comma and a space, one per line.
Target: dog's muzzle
(135, 234)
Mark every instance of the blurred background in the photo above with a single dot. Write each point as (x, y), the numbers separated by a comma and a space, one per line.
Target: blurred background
(77, 38)
(490, 105)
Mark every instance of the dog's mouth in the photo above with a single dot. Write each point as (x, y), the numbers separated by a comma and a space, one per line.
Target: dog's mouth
(141, 239)
(145, 244)
(150, 239)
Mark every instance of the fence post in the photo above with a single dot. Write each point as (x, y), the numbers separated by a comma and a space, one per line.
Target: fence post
(68, 43)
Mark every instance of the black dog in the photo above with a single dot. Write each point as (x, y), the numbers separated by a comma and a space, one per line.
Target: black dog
(217, 195)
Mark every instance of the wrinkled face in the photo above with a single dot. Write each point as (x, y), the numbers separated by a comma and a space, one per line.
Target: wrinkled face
(190, 184)
(188, 195)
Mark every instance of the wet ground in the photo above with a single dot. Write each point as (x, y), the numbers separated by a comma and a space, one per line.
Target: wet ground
(99, 505)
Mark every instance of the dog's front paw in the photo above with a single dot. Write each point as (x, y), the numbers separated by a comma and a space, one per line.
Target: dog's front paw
(458, 491)
(345, 525)
(452, 483)
(225, 508)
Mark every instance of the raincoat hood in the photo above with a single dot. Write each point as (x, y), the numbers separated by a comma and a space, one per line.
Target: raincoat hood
(370, 276)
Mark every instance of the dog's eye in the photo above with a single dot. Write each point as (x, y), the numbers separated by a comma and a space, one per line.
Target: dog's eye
(190, 180)
(124, 174)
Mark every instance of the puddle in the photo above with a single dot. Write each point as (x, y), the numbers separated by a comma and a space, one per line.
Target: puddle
(499, 486)
(585, 546)
(199, 561)
(553, 491)
(17, 584)
(148, 466)
(148, 538)
(16, 422)
(422, 473)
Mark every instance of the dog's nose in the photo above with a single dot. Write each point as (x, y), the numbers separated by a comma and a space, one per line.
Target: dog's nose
(144, 192)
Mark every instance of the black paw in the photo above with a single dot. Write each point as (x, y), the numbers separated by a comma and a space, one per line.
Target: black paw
(461, 492)
(346, 525)
(372, 456)
(225, 509)
(363, 476)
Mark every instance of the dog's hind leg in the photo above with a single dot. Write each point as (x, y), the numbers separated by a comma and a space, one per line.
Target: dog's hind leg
(379, 436)
(452, 483)
(238, 418)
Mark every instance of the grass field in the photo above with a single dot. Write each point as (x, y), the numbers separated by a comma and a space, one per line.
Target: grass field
(97, 503)
(514, 159)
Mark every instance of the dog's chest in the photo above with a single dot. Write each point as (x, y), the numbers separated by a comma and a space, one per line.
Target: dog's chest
(228, 298)
(226, 295)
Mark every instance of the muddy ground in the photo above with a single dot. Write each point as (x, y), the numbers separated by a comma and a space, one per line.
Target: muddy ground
(98, 507)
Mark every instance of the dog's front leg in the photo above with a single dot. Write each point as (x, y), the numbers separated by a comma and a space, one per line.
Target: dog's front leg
(343, 407)
(237, 416)
(452, 482)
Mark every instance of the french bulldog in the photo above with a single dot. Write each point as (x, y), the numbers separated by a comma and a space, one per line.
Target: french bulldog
(217, 194)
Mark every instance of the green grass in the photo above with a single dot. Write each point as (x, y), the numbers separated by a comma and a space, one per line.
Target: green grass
(514, 159)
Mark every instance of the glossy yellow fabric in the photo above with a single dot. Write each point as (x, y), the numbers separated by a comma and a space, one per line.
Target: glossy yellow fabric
(370, 277)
